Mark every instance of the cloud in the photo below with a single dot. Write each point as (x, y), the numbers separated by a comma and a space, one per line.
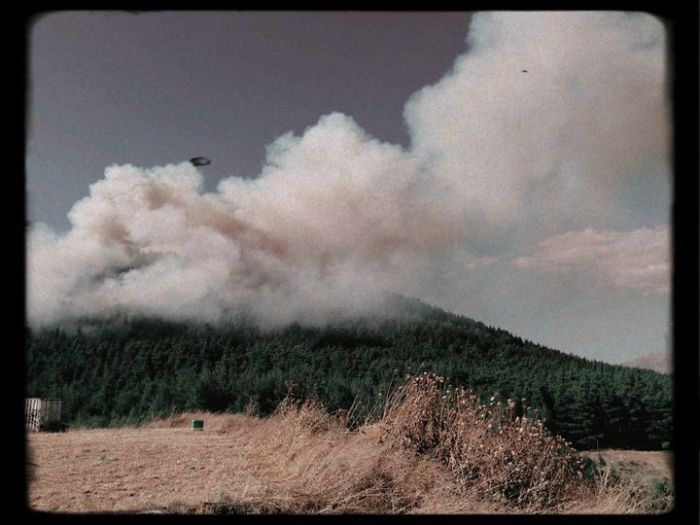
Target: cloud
(590, 113)
(337, 217)
(637, 259)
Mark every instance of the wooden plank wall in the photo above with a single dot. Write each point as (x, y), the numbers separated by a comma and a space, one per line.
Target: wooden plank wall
(32, 414)
(51, 410)
(38, 412)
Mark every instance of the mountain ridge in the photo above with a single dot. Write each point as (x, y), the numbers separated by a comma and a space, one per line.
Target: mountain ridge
(136, 368)
(657, 361)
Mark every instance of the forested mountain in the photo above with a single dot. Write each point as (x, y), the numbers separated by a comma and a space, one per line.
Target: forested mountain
(127, 371)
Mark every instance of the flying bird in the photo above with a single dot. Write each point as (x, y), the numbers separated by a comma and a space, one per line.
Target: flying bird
(200, 161)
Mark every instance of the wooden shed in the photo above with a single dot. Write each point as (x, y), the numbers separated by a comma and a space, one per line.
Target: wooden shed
(40, 413)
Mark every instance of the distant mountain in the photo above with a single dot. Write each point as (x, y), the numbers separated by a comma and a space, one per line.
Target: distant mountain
(656, 361)
(128, 370)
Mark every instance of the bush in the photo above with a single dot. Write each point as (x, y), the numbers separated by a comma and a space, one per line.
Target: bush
(504, 456)
(661, 496)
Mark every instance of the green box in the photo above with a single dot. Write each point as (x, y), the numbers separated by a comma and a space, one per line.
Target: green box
(197, 424)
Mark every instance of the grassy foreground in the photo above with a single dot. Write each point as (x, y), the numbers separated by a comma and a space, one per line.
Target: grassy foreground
(433, 449)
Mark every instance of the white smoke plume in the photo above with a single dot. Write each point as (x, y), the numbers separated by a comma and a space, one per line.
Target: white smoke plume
(337, 217)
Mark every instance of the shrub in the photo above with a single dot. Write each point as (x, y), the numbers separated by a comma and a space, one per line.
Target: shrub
(511, 458)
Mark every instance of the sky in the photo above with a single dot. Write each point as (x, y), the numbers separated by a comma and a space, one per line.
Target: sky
(511, 167)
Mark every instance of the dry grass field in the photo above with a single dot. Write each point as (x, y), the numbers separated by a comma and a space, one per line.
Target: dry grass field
(649, 463)
(264, 465)
(301, 460)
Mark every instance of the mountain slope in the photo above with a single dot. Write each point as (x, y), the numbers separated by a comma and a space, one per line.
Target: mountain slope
(656, 361)
(134, 369)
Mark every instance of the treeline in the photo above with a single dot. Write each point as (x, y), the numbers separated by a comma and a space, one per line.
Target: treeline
(133, 370)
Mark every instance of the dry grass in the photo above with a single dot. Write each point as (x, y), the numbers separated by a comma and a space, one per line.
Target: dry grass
(424, 455)
(293, 462)
(630, 482)
(503, 457)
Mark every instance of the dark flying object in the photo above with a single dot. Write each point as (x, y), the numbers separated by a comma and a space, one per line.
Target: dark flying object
(524, 70)
(200, 161)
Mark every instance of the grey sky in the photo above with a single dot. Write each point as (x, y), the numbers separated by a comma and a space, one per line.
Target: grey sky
(154, 88)
(579, 272)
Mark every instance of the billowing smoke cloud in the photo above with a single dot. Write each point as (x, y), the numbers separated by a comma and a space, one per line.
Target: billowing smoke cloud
(325, 229)
(544, 109)
(337, 217)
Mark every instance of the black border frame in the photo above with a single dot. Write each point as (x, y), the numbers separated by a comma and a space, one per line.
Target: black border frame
(681, 19)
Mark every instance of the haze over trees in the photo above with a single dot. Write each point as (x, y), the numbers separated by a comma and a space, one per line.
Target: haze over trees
(131, 370)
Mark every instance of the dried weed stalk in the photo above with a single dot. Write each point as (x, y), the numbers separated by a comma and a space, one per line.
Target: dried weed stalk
(505, 457)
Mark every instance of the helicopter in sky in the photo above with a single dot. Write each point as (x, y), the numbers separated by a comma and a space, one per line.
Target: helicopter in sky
(200, 161)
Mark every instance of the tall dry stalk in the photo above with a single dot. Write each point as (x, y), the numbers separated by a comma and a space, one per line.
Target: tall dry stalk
(510, 458)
